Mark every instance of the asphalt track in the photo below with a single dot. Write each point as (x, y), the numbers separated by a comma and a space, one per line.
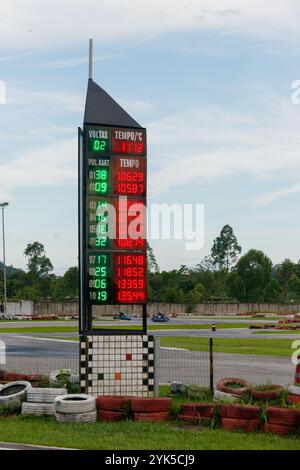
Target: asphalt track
(44, 352)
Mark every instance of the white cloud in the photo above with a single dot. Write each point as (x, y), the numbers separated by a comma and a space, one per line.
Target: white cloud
(267, 198)
(75, 61)
(66, 99)
(51, 166)
(39, 23)
(262, 143)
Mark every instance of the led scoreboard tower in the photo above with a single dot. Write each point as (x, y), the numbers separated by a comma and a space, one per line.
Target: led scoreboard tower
(112, 210)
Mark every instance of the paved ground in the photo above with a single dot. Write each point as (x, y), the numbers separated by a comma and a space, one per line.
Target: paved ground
(175, 321)
(14, 446)
(32, 354)
(203, 333)
(193, 367)
(41, 352)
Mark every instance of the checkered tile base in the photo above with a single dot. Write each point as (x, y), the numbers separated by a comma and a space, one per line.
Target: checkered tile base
(117, 365)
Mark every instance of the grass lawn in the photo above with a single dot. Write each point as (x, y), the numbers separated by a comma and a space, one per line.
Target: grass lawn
(263, 347)
(74, 329)
(277, 332)
(128, 435)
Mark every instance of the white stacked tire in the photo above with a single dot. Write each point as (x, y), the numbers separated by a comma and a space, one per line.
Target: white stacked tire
(218, 395)
(45, 395)
(37, 409)
(14, 393)
(75, 408)
(40, 401)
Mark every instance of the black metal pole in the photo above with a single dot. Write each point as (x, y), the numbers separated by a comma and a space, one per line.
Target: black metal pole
(211, 365)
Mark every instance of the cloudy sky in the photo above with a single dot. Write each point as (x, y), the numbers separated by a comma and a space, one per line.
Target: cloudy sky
(210, 79)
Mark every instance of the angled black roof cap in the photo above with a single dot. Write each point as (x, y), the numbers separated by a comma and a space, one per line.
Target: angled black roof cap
(101, 108)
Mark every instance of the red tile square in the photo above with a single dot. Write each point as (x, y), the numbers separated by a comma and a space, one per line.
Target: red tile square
(128, 357)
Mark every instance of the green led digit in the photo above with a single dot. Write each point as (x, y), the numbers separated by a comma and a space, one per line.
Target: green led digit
(99, 145)
(102, 259)
(101, 242)
(101, 188)
(101, 174)
(102, 296)
(101, 271)
(100, 284)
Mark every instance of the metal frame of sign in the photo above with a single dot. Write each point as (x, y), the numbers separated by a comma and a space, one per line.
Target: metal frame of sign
(85, 307)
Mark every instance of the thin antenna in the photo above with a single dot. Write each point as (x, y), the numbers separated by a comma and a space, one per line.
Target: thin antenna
(91, 59)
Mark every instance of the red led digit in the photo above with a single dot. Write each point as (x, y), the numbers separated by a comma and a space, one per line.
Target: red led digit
(130, 277)
(129, 176)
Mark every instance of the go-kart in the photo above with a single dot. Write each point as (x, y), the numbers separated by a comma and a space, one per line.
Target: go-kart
(160, 318)
(122, 316)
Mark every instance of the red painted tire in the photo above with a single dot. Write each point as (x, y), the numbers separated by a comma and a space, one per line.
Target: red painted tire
(239, 411)
(199, 410)
(248, 425)
(112, 403)
(293, 398)
(223, 386)
(194, 419)
(157, 416)
(285, 416)
(150, 405)
(279, 429)
(265, 395)
(110, 416)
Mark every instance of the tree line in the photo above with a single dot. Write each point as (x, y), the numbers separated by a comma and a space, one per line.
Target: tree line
(224, 276)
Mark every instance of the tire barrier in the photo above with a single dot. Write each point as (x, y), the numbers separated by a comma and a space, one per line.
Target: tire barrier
(228, 397)
(150, 405)
(14, 392)
(151, 409)
(112, 408)
(111, 416)
(234, 424)
(151, 416)
(294, 390)
(297, 372)
(278, 429)
(56, 375)
(287, 417)
(234, 386)
(75, 408)
(293, 398)
(89, 417)
(112, 403)
(44, 395)
(193, 419)
(37, 409)
(197, 412)
(240, 411)
(270, 392)
(13, 377)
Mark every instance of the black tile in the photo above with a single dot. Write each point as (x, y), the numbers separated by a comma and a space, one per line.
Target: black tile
(145, 381)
